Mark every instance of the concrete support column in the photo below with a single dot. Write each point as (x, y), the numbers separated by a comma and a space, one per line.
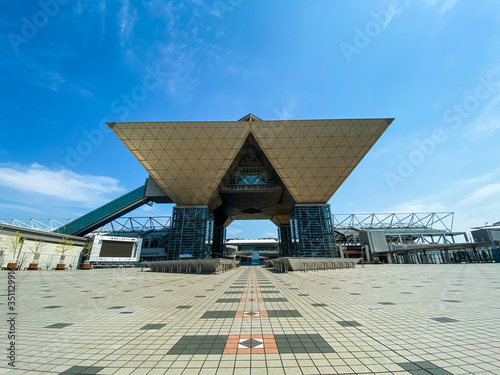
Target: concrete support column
(218, 244)
(219, 236)
(285, 237)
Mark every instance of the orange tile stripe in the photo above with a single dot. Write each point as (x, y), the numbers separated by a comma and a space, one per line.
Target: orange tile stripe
(233, 341)
(262, 314)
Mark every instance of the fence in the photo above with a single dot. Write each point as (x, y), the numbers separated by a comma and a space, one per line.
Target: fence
(313, 264)
(45, 261)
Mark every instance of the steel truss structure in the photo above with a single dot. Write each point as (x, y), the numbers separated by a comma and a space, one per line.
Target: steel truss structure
(43, 224)
(408, 221)
(140, 224)
(122, 224)
(400, 228)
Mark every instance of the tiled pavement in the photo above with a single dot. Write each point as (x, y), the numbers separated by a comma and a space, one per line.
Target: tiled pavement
(380, 319)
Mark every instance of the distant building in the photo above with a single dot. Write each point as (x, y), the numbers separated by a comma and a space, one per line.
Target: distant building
(487, 234)
(246, 250)
(38, 246)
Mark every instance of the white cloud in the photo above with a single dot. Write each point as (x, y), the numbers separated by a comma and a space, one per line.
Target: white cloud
(482, 196)
(286, 112)
(17, 207)
(481, 204)
(233, 231)
(56, 81)
(474, 216)
(66, 186)
(127, 17)
(444, 5)
(487, 122)
(476, 180)
(394, 8)
(84, 23)
(160, 9)
(448, 5)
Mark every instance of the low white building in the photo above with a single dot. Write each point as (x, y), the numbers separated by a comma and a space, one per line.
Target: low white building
(36, 241)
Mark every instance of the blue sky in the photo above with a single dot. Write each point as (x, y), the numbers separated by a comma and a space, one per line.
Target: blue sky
(68, 66)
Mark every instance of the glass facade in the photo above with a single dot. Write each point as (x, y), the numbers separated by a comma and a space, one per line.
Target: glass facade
(192, 233)
(194, 236)
(312, 231)
(251, 171)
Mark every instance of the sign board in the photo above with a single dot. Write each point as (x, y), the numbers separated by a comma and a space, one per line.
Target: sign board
(124, 239)
(266, 187)
(116, 249)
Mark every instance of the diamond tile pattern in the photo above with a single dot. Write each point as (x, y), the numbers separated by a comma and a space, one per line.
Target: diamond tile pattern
(251, 343)
(251, 313)
(189, 159)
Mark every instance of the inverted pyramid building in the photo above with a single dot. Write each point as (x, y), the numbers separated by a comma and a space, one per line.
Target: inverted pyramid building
(251, 169)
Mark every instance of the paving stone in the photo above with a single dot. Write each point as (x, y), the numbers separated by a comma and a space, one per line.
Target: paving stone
(275, 300)
(59, 325)
(302, 343)
(444, 320)
(126, 333)
(283, 314)
(218, 315)
(153, 326)
(83, 370)
(194, 345)
(228, 300)
(349, 323)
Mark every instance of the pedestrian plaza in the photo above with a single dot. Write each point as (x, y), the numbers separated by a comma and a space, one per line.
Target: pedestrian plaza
(378, 319)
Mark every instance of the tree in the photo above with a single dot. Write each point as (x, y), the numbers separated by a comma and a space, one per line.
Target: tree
(37, 247)
(15, 244)
(87, 249)
(64, 246)
(2, 252)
